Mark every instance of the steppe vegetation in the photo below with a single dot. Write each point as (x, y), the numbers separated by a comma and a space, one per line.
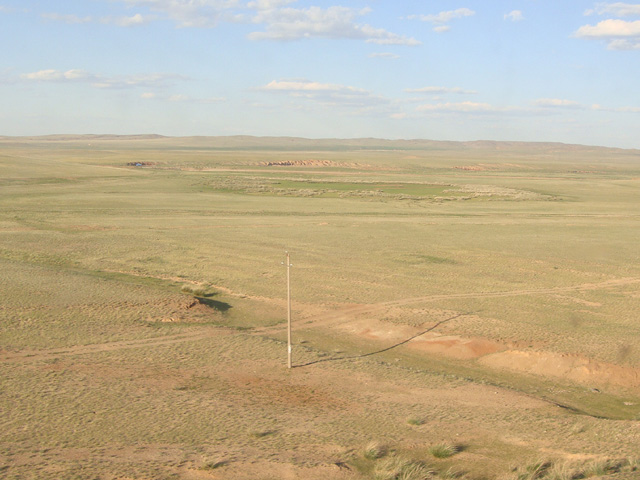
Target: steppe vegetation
(461, 310)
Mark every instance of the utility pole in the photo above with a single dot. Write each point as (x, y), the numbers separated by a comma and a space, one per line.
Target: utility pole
(288, 311)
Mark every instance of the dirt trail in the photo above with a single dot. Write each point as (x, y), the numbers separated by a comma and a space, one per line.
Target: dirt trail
(347, 313)
(325, 319)
(34, 355)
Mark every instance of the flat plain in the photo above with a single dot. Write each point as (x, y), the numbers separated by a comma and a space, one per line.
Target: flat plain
(460, 310)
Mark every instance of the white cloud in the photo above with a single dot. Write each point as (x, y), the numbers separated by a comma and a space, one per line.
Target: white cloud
(268, 4)
(556, 103)
(100, 81)
(621, 44)
(4, 9)
(442, 19)
(610, 28)
(69, 19)
(133, 81)
(459, 107)
(619, 34)
(618, 9)
(601, 108)
(440, 90)
(77, 75)
(180, 98)
(325, 93)
(316, 22)
(188, 13)
(58, 76)
(134, 20)
(445, 17)
(514, 16)
(309, 86)
(280, 22)
(442, 28)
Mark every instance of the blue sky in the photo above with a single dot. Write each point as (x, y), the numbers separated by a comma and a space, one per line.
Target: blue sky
(526, 70)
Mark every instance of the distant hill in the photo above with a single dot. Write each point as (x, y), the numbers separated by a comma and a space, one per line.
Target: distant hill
(82, 137)
(247, 142)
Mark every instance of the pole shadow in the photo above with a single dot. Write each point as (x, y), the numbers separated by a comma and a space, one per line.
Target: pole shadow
(350, 357)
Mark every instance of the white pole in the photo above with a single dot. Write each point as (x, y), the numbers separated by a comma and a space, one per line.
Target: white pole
(288, 312)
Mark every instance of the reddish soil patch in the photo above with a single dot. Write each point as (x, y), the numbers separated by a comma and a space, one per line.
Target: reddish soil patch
(311, 163)
(450, 345)
(471, 168)
(571, 367)
(457, 347)
(188, 309)
(276, 391)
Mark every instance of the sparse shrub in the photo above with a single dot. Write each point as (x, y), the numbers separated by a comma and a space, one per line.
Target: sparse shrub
(533, 471)
(595, 468)
(578, 428)
(416, 421)
(443, 450)
(450, 474)
(415, 471)
(601, 467)
(400, 468)
(633, 464)
(375, 450)
(564, 471)
(198, 291)
(212, 465)
(538, 469)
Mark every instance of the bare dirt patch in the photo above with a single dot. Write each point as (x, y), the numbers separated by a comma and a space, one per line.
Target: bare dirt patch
(312, 163)
(566, 366)
(471, 168)
(453, 346)
(190, 310)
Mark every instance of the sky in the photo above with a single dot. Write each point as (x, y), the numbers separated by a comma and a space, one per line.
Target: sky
(515, 70)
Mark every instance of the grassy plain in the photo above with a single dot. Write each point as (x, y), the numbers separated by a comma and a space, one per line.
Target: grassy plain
(481, 296)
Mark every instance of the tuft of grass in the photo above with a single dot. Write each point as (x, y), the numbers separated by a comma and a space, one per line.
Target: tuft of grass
(416, 420)
(538, 469)
(375, 450)
(450, 474)
(415, 471)
(567, 471)
(578, 428)
(443, 450)
(599, 468)
(532, 471)
(199, 291)
(564, 471)
(633, 464)
(213, 465)
(400, 468)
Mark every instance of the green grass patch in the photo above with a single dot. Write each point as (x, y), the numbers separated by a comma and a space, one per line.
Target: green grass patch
(443, 450)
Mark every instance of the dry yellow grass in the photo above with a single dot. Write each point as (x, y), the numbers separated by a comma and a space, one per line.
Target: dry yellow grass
(143, 309)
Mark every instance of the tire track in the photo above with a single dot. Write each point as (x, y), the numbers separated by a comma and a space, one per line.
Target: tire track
(36, 355)
(325, 319)
(334, 318)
